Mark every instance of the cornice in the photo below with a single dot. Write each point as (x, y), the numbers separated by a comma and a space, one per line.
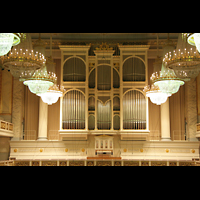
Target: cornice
(112, 43)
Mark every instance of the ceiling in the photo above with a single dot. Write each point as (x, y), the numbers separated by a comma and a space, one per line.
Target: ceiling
(110, 38)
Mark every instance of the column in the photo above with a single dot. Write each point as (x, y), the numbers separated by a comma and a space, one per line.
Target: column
(43, 117)
(191, 109)
(165, 115)
(165, 121)
(17, 109)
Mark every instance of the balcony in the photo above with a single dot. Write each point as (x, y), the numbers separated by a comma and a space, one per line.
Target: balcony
(6, 129)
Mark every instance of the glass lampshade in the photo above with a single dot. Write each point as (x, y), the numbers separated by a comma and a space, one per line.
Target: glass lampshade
(40, 81)
(169, 86)
(157, 97)
(167, 81)
(194, 39)
(52, 95)
(7, 40)
(38, 86)
(155, 94)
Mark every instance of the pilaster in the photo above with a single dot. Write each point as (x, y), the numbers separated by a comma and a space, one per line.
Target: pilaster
(191, 109)
(17, 110)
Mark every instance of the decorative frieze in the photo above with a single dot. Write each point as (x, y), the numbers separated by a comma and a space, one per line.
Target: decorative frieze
(158, 163)
(49, 163)
(90, 163)
(144, 163)
(63, 163)
(172, 163)
(186, 163)
(103, 163)
(21, 163)
(76, 163)
(35, 163)
(131, 163)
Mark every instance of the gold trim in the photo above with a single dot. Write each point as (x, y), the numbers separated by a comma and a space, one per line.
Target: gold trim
(193, 151)
(125, 150)
(83, 150)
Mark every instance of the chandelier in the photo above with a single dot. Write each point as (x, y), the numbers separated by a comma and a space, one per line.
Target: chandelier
(7, 40)
(40, 81)
(194, 39)
(155, 94)
(22, 61)
(167, 81)
(52, 95)
(185, 60)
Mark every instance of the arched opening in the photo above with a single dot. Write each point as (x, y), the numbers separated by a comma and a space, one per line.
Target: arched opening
(116, 80)
(91, 103)
(92, 79)
(91, 122)
(74, 69)
(133, 70)
(134, 110)
(116, 103)
(116, 122)
(104, 115)
(104, 77)
(73, 110)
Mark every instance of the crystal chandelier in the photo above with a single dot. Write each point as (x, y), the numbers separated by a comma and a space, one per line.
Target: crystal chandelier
(156, 95)
(185, 60)
(7, 40)
(52, 95)
(23, 61)
(167, 81)
(40, 81)
(194, 39)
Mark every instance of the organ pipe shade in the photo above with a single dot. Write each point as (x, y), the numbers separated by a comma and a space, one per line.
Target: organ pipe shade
(134, 110)
(74, 70)
(104, 115)
(73, 110)
(133, 70)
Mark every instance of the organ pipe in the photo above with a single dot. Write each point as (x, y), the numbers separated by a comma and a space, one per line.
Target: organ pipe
(134, 110)
(74, 110)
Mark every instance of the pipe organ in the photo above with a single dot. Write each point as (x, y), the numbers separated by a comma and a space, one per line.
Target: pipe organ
(104, 92)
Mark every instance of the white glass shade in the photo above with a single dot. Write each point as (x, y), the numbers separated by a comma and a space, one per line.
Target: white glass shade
(50, 97)
(157, 97)
(38, 86)
(194, 39)
(7, 41)
(169, 86)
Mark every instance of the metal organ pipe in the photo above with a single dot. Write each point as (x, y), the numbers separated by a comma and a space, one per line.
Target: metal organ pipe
(134, 110)
(74, 110)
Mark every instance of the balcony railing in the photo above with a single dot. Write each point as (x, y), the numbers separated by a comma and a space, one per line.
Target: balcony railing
(6, 129)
